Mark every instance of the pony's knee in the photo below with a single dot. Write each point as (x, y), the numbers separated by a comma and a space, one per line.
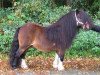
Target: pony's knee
(17, 54)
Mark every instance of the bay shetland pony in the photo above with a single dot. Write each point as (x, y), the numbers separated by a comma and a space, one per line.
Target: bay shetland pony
(56, 37)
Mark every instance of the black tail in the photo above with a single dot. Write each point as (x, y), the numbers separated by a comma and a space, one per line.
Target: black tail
(96, 28)
(14, 48)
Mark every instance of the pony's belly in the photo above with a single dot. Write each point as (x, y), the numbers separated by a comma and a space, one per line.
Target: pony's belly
(43, 47)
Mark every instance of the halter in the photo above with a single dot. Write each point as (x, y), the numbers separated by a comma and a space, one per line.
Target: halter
(77, 21)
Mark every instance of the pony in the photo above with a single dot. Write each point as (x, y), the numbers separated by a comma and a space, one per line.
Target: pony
(56, 37)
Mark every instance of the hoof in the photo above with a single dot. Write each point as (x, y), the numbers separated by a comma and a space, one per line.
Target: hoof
(24, 67)
(55, 66)
(14, 67)
(23, 64)
(61, 69)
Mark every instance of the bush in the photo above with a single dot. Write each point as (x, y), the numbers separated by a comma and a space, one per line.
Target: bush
(41, 11)
(93, 6)
(5, 43)
(86, 44)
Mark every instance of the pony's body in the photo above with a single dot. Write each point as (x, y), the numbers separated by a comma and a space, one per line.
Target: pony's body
(38, 41)
(56, 37)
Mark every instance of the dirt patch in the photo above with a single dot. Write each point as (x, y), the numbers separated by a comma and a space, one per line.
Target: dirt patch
(42, 66)
(40, 63)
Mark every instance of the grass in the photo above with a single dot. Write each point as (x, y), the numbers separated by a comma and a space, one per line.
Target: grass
(3, 56)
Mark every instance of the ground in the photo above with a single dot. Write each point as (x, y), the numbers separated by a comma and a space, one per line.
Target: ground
(43, 66)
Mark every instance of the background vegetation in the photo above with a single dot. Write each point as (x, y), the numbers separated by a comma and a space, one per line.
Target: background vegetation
(15, 13)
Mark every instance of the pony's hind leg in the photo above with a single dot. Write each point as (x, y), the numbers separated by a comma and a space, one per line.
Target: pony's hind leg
(23, 62)
(17, 59)
(20, 54)
(15, 63)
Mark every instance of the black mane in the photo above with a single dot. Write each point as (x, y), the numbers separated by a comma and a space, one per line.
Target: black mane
(63, 31)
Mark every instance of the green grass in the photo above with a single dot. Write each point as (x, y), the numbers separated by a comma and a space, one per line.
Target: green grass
(3, 56)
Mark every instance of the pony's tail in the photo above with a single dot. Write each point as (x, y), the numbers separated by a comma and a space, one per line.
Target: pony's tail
(14, 48)
(96, 28)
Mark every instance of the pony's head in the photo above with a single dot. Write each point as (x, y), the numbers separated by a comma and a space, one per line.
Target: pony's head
(83, 20)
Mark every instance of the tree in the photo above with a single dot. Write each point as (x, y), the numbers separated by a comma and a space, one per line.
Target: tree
(6, 3)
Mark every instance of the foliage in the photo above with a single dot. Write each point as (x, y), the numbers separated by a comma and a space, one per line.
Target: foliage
(93, 6)
(44, 12)
(5, 43)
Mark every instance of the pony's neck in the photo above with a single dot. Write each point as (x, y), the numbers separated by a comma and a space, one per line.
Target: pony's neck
(63, 31)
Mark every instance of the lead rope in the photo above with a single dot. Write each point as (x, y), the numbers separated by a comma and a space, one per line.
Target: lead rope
(77, 21)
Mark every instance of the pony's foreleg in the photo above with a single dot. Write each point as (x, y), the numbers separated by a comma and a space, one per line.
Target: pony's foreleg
(61, 58)
(58, 62)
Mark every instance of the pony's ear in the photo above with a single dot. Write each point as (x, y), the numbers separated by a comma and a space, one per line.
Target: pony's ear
(77, 11)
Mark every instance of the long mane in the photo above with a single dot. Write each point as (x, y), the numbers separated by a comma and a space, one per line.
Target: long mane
(63, 31)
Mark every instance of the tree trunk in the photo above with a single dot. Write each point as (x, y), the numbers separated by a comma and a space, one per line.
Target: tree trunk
(5, 3)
